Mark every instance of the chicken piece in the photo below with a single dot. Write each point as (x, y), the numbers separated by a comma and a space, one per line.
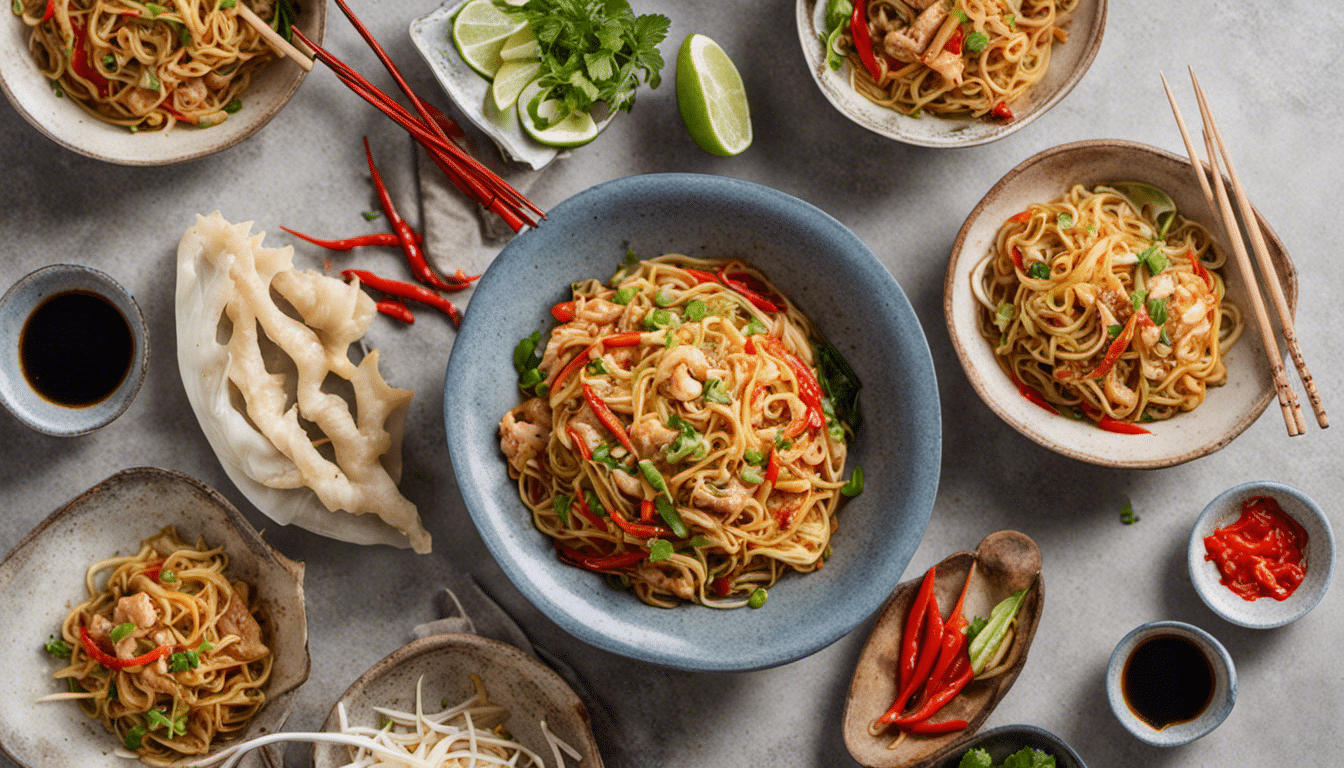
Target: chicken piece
(628, 484)
(155, 677)
(99, 626)
(137, 609)
(908, 44)
(679, 585)
(524, 433)
(684, 369)
(1161, 286)
(946, 63)
(141, 100)
(191, 93)
(728, 500)
(238, 621)
(648, 435)
(564, 338)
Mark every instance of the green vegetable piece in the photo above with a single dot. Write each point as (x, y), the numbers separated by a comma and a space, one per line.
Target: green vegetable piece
(233, 106)
(669, 340)
(158, 720)
(155, 9)
(625, 295)
(1157, 310)
(1154, 259)
(664, 299)
(1138, 298)
(58, 648)
(976, 758)
(368, 215)
(840, 383)
(975, 43)
(751, 476)
(659, 318)
(1011, 19)
(834, 58)
(987, 642)
(178, 662)
(758, 598)
(977, 624)
(227, 4)
(659, 549)
(596, 367)
(594, 503)
(1004, 314)
(206, 646)
(1039, 270)
(754, 327)
(1114, 330)
(120, 631)
(854, 486)
(695, 310)
(716, 392)
(838, 13)
(1065, 220)
(561, 504)
(1029, 757)
(753, 456)
(668, 511)
(699, 540)
(17, 7)
(1151, 203)
(1127, 515)
(134, 737)
(167, 576)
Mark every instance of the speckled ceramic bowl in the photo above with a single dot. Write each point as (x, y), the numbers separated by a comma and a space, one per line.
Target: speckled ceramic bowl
(1226, 411)
(1005, 740)
(42, 579)
(443, 666)
(1264, 613)
(1068, 63)
(1224, 685)
(64, 122)
(18, 304)
(833, 277)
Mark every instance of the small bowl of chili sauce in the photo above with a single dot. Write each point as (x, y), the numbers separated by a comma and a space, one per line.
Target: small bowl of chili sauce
(1261, 555)
(1170, 683)
(73, 349)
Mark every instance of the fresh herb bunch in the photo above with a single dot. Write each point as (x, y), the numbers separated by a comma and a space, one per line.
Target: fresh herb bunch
(592, 51)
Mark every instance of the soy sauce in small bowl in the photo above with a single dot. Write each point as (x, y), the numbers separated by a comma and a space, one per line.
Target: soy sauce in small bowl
(1170, 683)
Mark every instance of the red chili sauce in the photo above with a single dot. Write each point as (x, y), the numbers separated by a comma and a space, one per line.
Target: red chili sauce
(1262, 553)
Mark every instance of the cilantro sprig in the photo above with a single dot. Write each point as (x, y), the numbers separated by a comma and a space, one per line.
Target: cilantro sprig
(592, 51)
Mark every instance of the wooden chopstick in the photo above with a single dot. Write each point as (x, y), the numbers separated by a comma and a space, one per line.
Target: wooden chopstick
(280, 44)
(1288, 403)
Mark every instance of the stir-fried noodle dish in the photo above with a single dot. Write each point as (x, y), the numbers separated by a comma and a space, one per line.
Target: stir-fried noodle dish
(166, 652)
(1107, 304)
(952, 58)
(149, 66)
(689, 432)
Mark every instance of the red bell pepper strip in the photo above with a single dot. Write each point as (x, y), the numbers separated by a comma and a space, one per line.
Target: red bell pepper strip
(414, 256)
(1021, 217)
(1122, 427)
(630, 339)
(607, 418)
(394, 309)
(721, 587)
(155, 568)
(1117, 347)
(1017, 259)
(50, 12)
(863, 41)
(646, 510)
(639, 529)
(1002, 112)
(360, 241)
(1033, 395)
(756, 299)
(587, 511)
(914, 622)
(598, 562)
(79, 59)
(112, 662)
(953, 44)
(928, 654)
(564, 311)
(403, 290)
(958, 675)
(809, 390)
(772, 466)
(1198, 268)
(579, 443)
(702, 276)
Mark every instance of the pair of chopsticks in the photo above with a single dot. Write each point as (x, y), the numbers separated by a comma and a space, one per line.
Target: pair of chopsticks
(427, 125)
(1269, 278)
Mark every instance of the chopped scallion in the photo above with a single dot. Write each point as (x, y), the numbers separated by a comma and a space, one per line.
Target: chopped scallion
(625, 295)
(134, 737)
(1039, 270)
(758, 598)
(753, 456)
(120, 631)
(237, 104)
(976, 42)
(695, 310)
(754, 327)
(561, 503)
(716, 392)
(664, 299)
(659, 549)
(854, 486)
(1065, 221)
(58, 648)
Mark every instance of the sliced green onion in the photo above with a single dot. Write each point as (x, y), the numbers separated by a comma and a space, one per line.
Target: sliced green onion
(854, 486)
(715, 392)
(158, 720)
(1039, 270)
(664, 299)
(750, 475)
(1004, 314)
(368, 215)
(659, 318)
(1065, 221)
(155, 9)
(58, 648)
(659, 549)
(168, 575)
(134, 737)
(120, 631)
(237, 104)
(753, 456)
(976, 42)
(206, 646)
(669, 340)
(596, 367)
(625, 295)
(754, 327)
(699, 540)
(695, 310)
(758, 598)
(594, 503)
(227, 4)
(561, 503)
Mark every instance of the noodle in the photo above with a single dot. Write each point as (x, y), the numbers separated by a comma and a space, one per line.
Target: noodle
(1106, 304)
(960, 58)
(716, 395)
(175, 596)
(147, 66)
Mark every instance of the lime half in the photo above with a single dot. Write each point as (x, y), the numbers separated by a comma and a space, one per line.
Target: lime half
(479, 32)
(510, 80)
(711, 97)
(576, 129)
(520, 46)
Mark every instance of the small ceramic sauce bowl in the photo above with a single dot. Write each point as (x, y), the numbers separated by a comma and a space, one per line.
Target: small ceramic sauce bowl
(1265, 612)
(17, 392)
(1008, 739)
(1224, 684)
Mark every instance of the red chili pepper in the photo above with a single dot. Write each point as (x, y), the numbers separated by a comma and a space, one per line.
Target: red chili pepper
(1020, 217)
(702, 276)
(1117, 348)
(756, 299)
(640, 530)
(1017, 259)
(579, 442)
(925, 727)
(587, 511)
(928, 654)
(952, 646)
(1001, 111)
(597, 562)
(359, 241)
(914, 621)
(631, 339)
(607, 418)
(403, 290)
(154, 569)
(863, 41)
(1032, 395)
(808, 389)
(953, 44)
(79, 59)
(112, 662)
(394, 309)
(414, 256)
(1198, 268)
(564, 311)
(958, 675)
(772, 466)
(1122, 427)
(646, 510)
(50, 12)
(721, 587)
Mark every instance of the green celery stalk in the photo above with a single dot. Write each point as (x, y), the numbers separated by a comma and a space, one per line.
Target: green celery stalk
(987, 642)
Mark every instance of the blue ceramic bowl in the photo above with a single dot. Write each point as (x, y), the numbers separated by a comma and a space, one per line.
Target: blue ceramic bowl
(1224, 685)
(1005, 740)
(18, 303)
(834, 278)
(1264, 613)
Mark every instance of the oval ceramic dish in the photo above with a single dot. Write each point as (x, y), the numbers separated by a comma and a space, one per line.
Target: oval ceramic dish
(1227, 410)
(64, 122)
(1214, 713)
(443, 665)
(833, 277)
(1069, 62)
(1266, 612)
(42, 579)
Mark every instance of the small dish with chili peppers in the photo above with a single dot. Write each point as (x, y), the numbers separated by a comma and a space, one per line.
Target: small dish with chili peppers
(945, 649)
(1261, 554)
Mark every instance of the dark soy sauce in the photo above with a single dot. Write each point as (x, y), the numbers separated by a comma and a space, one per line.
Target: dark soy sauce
(1167, 680)
(76, 349)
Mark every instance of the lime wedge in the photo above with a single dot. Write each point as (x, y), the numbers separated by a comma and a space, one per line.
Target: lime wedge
(510, 80)
(520, 46)
(711, 97)
(576, 129)
(479, 32)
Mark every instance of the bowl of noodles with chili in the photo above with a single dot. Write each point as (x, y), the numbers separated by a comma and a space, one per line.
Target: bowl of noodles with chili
(1094, 306)
(151, 84)
(948, 73)
(736, 444)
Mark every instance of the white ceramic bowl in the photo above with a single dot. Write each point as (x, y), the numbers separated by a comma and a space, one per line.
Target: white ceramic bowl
(64, 122)
(1068, 63)
(1226, 412)
(42, 579)
(1264, 613)
(1224, 685)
